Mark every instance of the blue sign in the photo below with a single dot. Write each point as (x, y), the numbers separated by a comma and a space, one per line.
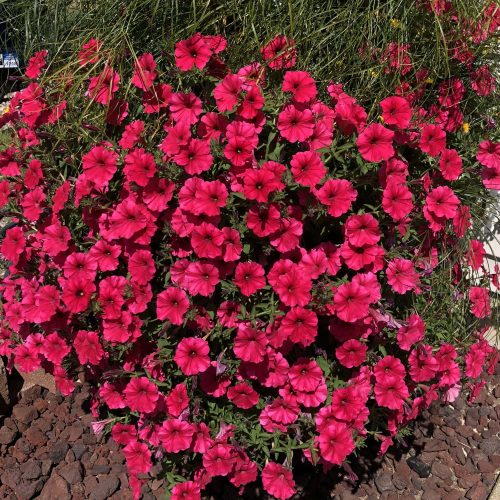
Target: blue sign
(9, 60)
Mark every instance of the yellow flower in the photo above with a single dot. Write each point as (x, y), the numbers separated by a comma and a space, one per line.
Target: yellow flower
(396, 23)
(429, 80)
(6, 109)
(381, 119)
(373, 73)
(465, 128)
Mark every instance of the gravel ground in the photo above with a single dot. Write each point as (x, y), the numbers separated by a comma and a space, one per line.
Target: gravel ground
(48, 451)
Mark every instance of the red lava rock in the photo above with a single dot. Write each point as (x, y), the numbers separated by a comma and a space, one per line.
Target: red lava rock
(468, 481)
(62, 410)
(107, 486)
(55, 488)
(383, 482)
(446, 459)
(487, 433)
(46, 466)
(28, 396)
(489, 479)
(90, 483)
(59, 426)
(489, 400)
(87, 459)
(25, 414)
(40, 404)
(10, 423)
(78, 491)
(453, 421)
(459, 403)
(448, 431)
(72, 473)
(429, 457)
(122, 495)
(7, 435)
(78, 449)
(486, 466)
(118, 468)
(93, 466)
(474, 440)
(31, 469)
(35, 436)
(469, 465)
(402, 475)
(23, 446)
(22, 427)
(490, 446)
(442, 471)
(472, 416)
(57, 451)
(494, 425)
(70, 457)
(11, 476)
(43, 424)
(27, 489)
(477, 492)
(123, 479)
(437, 433)
(76, 432)
(465, 431)
(455, 495)
(431, 490)
(435, 445)
(19, 455)
(162, 493)
(458, 454)
(86, 420)
(89, 439)
(483, 421)
(476, 456)
(113, 445)
(97, 469)
(156, 484)
(41, 453)
(436, 420)
(495, 460)
(116, 457)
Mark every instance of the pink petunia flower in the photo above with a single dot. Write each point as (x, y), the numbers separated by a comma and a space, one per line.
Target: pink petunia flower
(335, 443)
(401, 276)
(250, 277)
(278, 481)
(176, 435)
(295, 124)
(172, 304)
(191, 355)
(138, 457)
(141, 395)
(307, 168)
(375, 143)
(432, 140)
(351, 353)
(396, 111)
(300, 84)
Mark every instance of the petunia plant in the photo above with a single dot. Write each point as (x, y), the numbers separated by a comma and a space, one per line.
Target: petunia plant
(242, 261)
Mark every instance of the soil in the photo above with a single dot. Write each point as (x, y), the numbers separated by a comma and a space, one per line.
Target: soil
(49, 451)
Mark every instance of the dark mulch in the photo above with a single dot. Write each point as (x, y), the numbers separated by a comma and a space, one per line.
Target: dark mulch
(48, 451)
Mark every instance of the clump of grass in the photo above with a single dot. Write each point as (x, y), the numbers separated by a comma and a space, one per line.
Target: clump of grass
(329, 34)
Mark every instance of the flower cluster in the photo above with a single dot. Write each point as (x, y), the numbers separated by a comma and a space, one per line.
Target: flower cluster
(237, 264)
